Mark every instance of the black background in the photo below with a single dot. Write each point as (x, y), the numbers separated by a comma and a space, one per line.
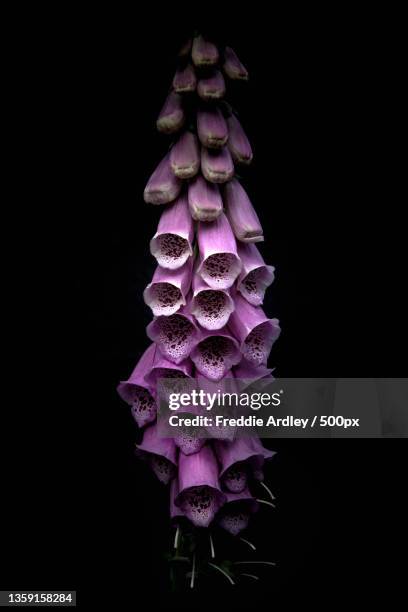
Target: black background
(322, 111)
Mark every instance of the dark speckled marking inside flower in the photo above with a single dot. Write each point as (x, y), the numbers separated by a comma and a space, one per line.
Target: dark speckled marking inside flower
(234, 521)
(212, 308)
(200, 505)
(189, 444)
(143, 406)
(235, 478)
(171, 249)
(165, 298)
(163, 468)
(213, 352)
(254, 285)
(256, 346)
(251, 281)
(176, 336)
(172, 381)
(219, 268)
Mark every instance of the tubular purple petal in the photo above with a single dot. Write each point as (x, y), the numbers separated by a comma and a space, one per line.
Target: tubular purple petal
(241, 214)
(211, 307)
(204, 52)
(235, 514)
(255, 275)
(136, 392)
(204, 200)
(162, 187)
(172, 243)
(175, 335)
(200, 496)
(233, 68)
(238, 458)
(211, 87)
(185, 80)
(212, 128)
(217, 165)
(160, 453)
(220, 265)
(168, 290)
(185, 156)
(172, 116)
(215, 353)
(254, 330)
(238, 143)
